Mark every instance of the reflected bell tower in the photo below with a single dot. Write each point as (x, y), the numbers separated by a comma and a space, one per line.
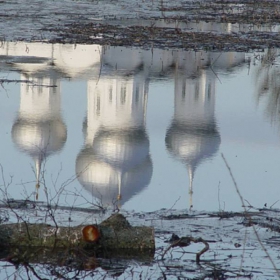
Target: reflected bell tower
(115, 161)
(39, 129)
(193, 136)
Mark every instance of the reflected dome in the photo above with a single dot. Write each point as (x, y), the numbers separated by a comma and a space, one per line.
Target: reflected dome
(227, 60)
(192, 145)
(128, 59)
(76, 59)
(121, 149)
(193, 137)
(115, 163)
(39, 129)
(108, 183)
(39, 137)
(30, 64)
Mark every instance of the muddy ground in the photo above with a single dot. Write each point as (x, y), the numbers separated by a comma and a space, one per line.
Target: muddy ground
(193, 25)
(242, 245)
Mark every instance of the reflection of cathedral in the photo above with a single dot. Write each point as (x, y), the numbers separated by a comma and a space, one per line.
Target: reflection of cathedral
(115, 163)
(193, 136)
(39, 129)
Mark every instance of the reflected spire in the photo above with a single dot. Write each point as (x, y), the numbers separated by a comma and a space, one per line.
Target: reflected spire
(193, 136)
(191, 174)
(38, 172)
(115, 162)
(39, 129)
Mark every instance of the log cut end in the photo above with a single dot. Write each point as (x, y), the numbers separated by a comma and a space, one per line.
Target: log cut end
(113, 235)
(90, 233)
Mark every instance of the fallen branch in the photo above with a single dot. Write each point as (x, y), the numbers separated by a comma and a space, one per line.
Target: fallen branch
(186, 241)
(112, 236)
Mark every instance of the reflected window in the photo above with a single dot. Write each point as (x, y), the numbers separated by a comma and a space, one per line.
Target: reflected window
(40, 85)
(184, 91)
(110, 94)
(98, 105)
(137, 94)
(196, 92)
(123, 94)
(27, 87)
(209, 92)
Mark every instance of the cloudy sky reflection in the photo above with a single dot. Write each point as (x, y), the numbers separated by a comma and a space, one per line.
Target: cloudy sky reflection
(140, 129)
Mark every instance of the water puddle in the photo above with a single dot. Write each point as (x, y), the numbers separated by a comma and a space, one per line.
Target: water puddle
(139, 129)
(150, 109)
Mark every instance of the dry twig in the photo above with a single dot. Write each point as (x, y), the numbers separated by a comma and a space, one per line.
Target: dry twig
(185, 241)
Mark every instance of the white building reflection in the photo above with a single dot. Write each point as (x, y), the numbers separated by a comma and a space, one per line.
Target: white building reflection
(193, 136)
(39, 129)
(115, 163)
(51, 60)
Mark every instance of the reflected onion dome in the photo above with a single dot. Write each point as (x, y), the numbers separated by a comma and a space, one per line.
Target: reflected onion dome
(39, 140)
(121, 149)
(30, 64)
(118, 57)
(57, 60)
(192, 145)
(76, 60)
(108, 183)
(35, 138)
(227, 60)
(39, 129)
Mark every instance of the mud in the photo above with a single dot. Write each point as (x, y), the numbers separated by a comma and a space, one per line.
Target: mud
(241, 245)
(196, 25)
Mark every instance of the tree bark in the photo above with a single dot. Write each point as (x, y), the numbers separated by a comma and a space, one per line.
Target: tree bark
(116, 236)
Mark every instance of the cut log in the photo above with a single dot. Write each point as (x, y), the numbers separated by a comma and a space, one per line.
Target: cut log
(114, 235)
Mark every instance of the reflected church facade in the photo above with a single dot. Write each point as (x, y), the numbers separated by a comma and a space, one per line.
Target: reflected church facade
(39, 129)
(114, 162)
(193, 136)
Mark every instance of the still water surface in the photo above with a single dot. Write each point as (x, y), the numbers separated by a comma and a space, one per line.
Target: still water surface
(139, 129)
